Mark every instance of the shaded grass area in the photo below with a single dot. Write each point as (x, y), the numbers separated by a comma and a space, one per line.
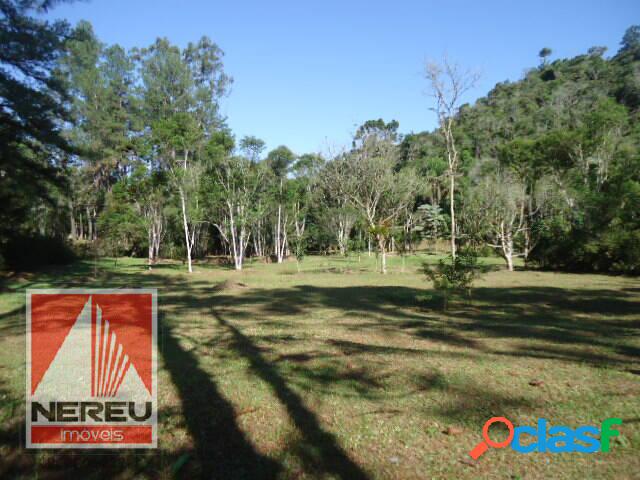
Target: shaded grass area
(339, 372)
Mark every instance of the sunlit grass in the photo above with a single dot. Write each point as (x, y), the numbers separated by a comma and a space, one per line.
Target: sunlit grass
(337, 371)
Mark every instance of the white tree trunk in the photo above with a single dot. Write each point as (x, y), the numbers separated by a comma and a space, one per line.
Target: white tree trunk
(72, 220)
(188, 241)
(257, 239)
(342, 244)
(452, 186)
(95, 226)
(243, 243)
(383, 254)
(151, 247)
(156, 248)
(237, 239)
(153, 215)
(510, 262)
(89, 224)
(278, 234)
(158, 230)
(506, 238)
(280, 240)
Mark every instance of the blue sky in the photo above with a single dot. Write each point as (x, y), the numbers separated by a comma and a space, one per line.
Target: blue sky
(307, 73)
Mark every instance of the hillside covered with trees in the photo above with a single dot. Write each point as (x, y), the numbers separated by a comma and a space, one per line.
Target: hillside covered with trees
(115, 152)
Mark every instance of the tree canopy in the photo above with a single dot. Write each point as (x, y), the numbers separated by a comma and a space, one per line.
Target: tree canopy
(127, 151)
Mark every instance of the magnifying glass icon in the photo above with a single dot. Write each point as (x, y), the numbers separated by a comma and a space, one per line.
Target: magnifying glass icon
(482, 447)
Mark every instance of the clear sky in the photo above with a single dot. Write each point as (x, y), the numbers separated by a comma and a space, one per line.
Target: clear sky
(306, 73)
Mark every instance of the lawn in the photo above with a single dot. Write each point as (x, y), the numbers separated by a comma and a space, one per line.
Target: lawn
(339, 372)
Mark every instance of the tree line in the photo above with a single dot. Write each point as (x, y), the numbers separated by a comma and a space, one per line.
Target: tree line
(125, 152)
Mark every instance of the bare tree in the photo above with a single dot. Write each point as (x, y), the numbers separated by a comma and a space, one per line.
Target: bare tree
(239, 180)
(374, 188)
(186, 178)
(338, 216)
(448, 84)
(151, 209)
(497, 205)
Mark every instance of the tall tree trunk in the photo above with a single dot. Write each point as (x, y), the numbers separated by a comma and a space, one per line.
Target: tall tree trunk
(72, 221)
(158, 229)
(452, 186)
(95, 227)
(186, 229)
(237, 239)
(506, 238)
(383, 253)
(277, 239)
(341, 238)
(243, 245)
(89, 224)
(156, 243)
(510, 262)
(151, 246)
(257, 242)
(285, 242)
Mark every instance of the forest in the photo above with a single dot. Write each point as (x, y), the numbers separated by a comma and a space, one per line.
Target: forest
(112, 152)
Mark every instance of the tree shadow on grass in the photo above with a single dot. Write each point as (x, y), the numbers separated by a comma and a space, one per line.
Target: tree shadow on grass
(566, 322)
(219, 449)
(563, 318)
(470, 403)
(12, 321)
(17, 462)
(319, 449)
(222, 449)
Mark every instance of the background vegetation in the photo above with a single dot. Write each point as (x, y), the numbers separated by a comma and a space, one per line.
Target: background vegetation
(126, 153)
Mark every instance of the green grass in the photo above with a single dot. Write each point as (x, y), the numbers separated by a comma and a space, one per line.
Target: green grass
(340, 372)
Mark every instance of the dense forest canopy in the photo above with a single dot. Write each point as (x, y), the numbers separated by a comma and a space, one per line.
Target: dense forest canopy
(118, 152)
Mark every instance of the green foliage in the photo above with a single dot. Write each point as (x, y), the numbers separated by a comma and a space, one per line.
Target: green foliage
(34, 101)
(544, 53)
(606, 237)
(379, 129)
(434, 222)
(280, 160)
(453, 275)
(122, 229)
(382, 230)
(252, 147)
(100, 141)
(568, 133)
(300, 247)
(631, 39)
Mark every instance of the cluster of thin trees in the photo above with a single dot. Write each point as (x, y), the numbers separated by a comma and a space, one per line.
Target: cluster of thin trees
(127, 152)
(156, 156)
(160, 159)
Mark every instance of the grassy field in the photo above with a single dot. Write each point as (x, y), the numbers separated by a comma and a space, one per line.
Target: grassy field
(339, 372)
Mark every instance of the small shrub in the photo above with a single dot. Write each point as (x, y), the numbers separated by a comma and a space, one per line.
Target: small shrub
(83, 248)
(453, 275)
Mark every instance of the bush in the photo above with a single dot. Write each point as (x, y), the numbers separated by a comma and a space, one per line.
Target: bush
(29, 252)
(173, 251)
(453, 275)
(616, 250)
(83, 248)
